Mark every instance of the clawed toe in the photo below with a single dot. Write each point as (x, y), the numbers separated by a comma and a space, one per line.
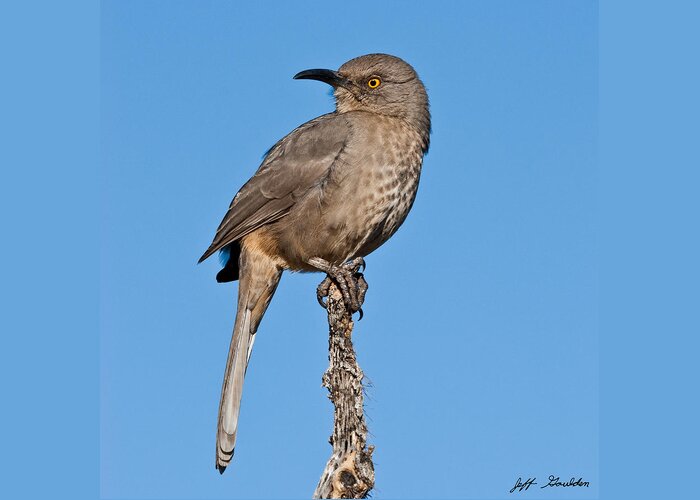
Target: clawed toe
(322, 291)
(349, 279)
(355, 264)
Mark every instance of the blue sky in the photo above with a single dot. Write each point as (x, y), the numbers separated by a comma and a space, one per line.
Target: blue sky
(480, 335)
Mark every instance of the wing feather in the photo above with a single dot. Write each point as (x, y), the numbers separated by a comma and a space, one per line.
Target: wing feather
(294, 165)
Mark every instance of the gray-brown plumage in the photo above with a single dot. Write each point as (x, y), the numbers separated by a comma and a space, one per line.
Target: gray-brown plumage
(332, 190)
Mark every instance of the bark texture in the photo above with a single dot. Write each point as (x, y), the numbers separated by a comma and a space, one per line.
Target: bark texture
(349, 472)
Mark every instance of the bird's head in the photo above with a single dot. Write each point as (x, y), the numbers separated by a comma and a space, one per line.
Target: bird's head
(378, 83)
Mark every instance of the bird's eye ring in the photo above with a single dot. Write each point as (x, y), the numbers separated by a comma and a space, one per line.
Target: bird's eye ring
(374, 82)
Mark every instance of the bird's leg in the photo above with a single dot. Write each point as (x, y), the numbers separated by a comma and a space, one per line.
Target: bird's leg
(341, 275)
(349, 279)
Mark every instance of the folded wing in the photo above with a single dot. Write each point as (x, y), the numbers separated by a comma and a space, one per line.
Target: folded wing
(293, 166)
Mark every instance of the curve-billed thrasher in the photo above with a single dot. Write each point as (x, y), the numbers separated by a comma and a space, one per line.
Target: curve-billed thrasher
(331, 191)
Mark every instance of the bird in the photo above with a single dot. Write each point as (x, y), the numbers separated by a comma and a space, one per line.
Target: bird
(324, 197)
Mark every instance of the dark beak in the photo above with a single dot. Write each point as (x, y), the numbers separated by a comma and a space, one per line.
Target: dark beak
(332, 78)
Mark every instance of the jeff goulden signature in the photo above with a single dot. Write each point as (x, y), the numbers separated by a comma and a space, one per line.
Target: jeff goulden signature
(553, 482)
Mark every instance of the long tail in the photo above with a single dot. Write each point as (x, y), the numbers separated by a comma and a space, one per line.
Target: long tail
(259, 277)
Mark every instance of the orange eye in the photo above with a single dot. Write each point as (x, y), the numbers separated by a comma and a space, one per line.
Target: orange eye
(373, 83)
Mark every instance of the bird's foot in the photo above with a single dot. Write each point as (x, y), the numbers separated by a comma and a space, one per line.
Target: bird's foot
(349, 279)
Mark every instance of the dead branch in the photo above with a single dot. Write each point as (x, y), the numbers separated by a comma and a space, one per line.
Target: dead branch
(349, 472)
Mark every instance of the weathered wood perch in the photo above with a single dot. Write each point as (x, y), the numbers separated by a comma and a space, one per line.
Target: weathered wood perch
(349, 472)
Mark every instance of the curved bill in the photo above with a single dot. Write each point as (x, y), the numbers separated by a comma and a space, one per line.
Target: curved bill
(332, 78)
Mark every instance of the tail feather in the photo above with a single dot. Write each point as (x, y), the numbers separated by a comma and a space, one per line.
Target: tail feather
(258, 281)
(232, 390)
